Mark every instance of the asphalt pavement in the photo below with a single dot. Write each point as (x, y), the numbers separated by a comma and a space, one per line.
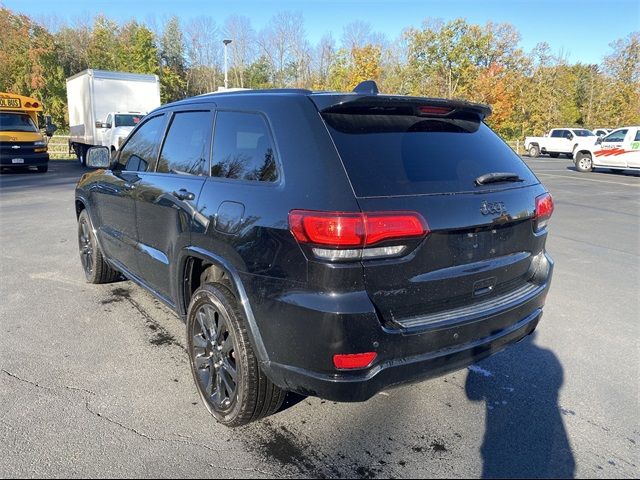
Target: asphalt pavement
(95, 381)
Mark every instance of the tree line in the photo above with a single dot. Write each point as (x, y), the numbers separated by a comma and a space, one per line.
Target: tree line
(530, 92)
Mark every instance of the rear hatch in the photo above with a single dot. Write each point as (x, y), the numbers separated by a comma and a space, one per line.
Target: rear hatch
(419, 155)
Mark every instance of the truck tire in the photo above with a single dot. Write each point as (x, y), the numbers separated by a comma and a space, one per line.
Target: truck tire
(534, 151)
(584, 163)
(96, 269)
(225, 369)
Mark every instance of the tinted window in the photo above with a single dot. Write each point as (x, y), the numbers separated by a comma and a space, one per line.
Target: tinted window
(242, 148)
(581, 132)
(16, 122)
(408, 155)
(637, 139)
(140, 152)
(557, 133)
(186, 148)
(617, 136)
(127, 120)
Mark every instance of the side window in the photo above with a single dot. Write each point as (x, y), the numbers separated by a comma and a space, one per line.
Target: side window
(140, 152)
(615, 137)
(557, 134)
(242, 148)
(637, 139)
(568, 134)
(108, 122)
(186, 147)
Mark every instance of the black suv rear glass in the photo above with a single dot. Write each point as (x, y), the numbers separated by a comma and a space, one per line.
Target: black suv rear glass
(387, 154)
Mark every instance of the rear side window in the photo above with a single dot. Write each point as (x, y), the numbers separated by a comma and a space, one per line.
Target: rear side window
(557, 134)
(140, 152)
(186, 147)
(242, 148)
(390, 155)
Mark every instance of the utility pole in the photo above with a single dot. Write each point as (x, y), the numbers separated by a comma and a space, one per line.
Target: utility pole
(226, 79)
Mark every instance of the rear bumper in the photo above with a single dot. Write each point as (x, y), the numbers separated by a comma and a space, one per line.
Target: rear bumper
(301, 332)
(358, 388)
(29, 160)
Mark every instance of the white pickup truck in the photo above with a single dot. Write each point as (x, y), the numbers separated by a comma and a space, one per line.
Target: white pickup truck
(557, 141)
(620, 150)
(116, 127)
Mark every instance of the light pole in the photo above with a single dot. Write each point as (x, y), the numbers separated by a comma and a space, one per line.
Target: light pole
(226, 80)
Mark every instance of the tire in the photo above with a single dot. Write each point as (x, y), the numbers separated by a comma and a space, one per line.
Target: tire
(217, 340)
(554, 155)
(584, 163)
(96, 269)
(534, 151)
(81, 152)
(44, 169)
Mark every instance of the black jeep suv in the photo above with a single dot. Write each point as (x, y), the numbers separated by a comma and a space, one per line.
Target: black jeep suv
(329, 244)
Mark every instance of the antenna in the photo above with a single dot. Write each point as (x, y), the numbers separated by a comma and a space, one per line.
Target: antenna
(368, 86)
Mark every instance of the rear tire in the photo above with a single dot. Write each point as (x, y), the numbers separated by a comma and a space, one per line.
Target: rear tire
(230, 382)
(584, 163)
(81, 152)
(534, 151)
(96, 269)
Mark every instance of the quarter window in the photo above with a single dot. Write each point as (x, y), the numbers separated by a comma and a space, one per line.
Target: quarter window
(186, 148)
(139, 154)
(242, 148)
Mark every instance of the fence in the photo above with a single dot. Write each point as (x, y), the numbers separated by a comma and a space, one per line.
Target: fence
(59, 147)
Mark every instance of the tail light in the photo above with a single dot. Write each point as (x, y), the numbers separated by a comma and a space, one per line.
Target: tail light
(354, 360)
(348, 236)
(544, 209)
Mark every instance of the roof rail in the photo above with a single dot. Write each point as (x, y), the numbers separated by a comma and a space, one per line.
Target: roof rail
(368, 86)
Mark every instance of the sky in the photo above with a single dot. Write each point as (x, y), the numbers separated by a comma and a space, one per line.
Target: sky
(580, 30)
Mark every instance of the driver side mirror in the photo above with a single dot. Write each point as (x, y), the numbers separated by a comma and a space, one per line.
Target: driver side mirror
(599, 140)
(49, 128)
(98, 157)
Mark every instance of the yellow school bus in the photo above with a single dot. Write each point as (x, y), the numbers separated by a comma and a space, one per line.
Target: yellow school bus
(22, 145)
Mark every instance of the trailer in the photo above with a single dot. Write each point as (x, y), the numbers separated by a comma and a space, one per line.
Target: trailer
(105, 106)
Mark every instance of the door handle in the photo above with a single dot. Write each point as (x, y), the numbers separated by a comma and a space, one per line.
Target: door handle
(183, 194)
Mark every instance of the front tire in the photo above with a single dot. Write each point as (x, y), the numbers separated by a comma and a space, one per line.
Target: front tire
(224, 366)
(96, 269)
(584, 163)
(534, 151)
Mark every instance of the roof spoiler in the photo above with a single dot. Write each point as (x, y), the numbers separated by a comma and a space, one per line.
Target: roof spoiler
(366, 94)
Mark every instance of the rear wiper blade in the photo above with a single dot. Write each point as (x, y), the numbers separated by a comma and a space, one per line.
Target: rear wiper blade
(498, 177)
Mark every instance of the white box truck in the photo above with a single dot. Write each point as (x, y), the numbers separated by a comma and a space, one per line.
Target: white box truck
(105, 106)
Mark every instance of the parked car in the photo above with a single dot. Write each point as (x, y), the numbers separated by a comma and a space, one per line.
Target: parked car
(601, 132)
(329, 244)
(620, 150)
(557, 141)
(105, 106)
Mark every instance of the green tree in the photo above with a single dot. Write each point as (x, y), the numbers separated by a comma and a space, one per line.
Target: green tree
(173, 68)
(104, 50)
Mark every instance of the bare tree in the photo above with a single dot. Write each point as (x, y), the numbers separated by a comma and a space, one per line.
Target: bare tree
(239, 30)
(203, 51)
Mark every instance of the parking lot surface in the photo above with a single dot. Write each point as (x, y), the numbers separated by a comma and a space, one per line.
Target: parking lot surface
(95, 381)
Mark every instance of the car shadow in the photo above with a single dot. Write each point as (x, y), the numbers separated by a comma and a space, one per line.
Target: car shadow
(524, 435)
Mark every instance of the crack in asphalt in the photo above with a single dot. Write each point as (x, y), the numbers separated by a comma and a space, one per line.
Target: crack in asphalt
(108, 419)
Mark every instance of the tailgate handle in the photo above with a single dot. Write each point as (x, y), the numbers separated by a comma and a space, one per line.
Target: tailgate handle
(484, 287)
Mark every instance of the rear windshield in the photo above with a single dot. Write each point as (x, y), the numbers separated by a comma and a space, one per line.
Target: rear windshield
(16, 122)
(583, 133)
(390, 155)
(127, 120)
